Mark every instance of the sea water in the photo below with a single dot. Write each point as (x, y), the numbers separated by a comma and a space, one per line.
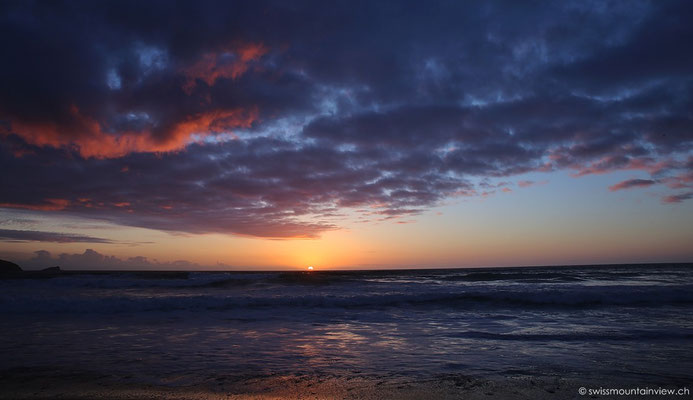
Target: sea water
(626, 324)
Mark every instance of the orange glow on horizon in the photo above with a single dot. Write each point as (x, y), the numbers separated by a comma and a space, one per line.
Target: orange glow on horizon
(437, 239)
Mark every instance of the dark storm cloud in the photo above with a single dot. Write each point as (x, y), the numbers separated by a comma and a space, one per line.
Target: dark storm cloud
(259, 187)
(651, 51)
(301, 110)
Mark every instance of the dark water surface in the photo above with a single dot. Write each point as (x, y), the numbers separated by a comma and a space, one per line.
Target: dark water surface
(598, 323)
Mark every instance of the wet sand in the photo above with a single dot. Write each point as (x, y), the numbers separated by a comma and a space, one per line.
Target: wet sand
(27, 384)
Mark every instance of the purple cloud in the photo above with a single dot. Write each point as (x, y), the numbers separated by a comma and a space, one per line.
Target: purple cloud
(11, 235)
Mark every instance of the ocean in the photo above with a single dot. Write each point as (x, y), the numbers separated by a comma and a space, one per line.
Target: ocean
(627, 324)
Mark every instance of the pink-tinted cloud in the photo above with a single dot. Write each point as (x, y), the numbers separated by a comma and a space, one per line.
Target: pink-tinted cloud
(678, 198)
(617, 162)
(632, 183)
(525, 184)
(680, 181)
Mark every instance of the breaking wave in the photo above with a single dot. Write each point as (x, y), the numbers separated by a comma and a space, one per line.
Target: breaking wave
(346, 298)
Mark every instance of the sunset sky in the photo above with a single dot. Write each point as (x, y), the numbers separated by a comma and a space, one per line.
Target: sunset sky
(345, 134)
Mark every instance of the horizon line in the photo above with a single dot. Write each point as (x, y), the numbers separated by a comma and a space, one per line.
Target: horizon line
(633, 264)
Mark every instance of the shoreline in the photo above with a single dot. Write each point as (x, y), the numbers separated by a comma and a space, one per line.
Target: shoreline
(24, 384)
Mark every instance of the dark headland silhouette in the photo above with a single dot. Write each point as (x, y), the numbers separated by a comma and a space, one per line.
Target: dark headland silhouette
(8, 269)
